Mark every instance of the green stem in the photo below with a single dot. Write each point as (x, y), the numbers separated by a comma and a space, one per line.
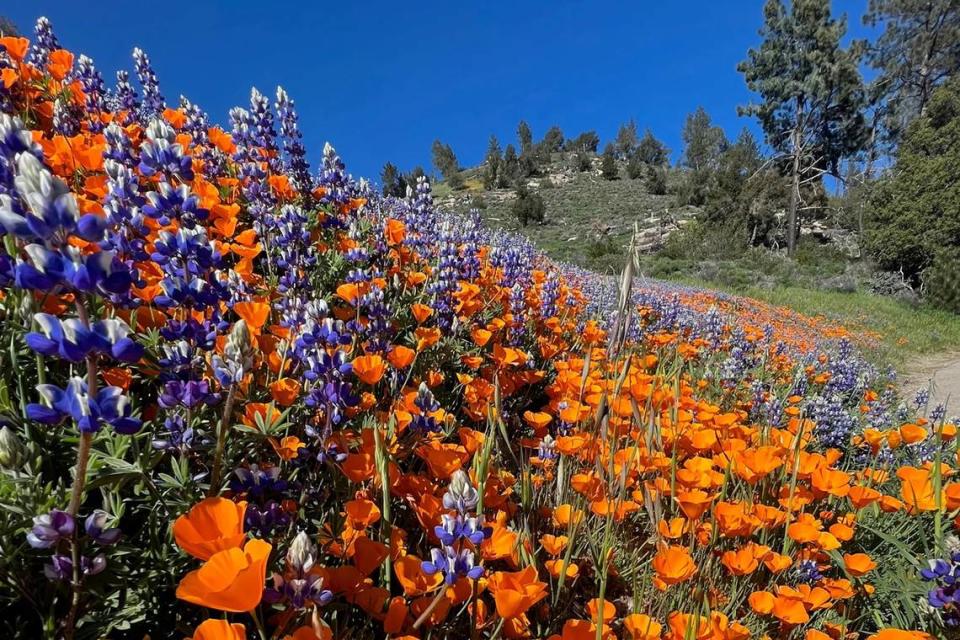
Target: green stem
(217, 475)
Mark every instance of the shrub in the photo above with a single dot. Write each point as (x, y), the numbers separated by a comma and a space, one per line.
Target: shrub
(916, 211)
(634, 167)
(528, 207)
(655, 180)
(608, 164)
(941, 280)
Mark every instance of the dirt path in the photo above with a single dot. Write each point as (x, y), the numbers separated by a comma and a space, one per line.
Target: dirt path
(939, 372)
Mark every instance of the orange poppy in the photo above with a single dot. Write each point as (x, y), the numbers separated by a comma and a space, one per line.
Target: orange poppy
(401, 357)
(231, 580)
(858, 564)
(916, 489)
(216, 629)
(369, 368)
(515, 592)
(285, 391)
(672, 565)
(211, 525)
(640, 626)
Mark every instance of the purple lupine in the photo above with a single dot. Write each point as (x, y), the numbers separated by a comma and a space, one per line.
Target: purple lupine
(944, 596)
(296, 156)
(44, 43)
(297, 586)
(153, 103)
(94, 91)
(455, 558)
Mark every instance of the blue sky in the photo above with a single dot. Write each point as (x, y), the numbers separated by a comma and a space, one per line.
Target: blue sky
(382, 80)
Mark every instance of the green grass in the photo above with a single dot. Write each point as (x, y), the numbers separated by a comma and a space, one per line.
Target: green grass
(905, 331)
(574, 229)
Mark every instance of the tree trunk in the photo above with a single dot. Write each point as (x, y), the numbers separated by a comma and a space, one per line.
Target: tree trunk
(793, 217)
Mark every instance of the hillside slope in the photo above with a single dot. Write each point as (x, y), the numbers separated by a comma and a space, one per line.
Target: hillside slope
(589, 220)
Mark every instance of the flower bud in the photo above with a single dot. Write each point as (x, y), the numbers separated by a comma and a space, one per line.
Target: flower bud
(302, 553)
(460, 495)
(11, 449)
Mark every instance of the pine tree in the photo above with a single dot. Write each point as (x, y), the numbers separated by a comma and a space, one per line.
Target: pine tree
(586, 142)
(917, 51)
(811, 95)
(393, 182)
(738, 163)
(445, 161)
(655, 180)
(492, 162)
(703, 144)
(608, 163)
(416, 173)
(524, 137)
(915, 213)
(627, 140)
(510, 168)
(552, 140)
(8, 28)
(651, 151)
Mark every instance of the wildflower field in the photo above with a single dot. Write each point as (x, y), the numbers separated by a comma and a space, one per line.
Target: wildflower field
(245, 397)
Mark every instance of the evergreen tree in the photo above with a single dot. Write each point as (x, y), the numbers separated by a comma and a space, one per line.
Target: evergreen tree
(703, 144)
(917, 51)
(608, 163)
(655, 179)
(586, 142)
(635, 167)
(528, 207)
(8, 28)
(393, 181)
(524, 137)
(811, 95)
(916, 211)
(651, 151)
(416, 173)
(492, 162)
(552, 140)
(510, 168)
(445, 161)
(627, 140)
(727, 202)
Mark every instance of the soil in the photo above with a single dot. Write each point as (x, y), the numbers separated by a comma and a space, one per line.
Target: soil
(938, 372)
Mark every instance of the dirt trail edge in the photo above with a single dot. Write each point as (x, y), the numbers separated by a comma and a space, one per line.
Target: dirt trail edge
(940, 372)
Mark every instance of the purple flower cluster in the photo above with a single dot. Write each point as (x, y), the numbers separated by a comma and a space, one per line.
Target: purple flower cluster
(944, 596)
(57, 530)
(455, 559)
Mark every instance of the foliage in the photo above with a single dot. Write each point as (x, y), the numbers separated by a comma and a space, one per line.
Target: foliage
(655, 179)
(651, 151)
(524, 137)
(811, 92)
(586, 142)
(445, 161)
(916, 211)
(492, 165)
(608, 164)
(941, 280)
(528, 207)
(552, 141)
(626, 142)
(392, 181)
(917, 51)
(703, 145)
